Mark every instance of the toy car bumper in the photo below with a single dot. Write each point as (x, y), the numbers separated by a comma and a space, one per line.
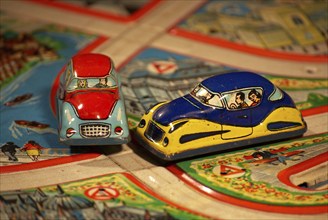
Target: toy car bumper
(218, 147)
(96, 141)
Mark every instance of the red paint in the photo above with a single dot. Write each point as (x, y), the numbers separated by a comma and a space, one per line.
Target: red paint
(91, 65)
(229, 170)
(55, 85)
(248, 49)
(284, 175)
(47, 163)
(314, 111)
(244, 203)
(93, 104)
(152, 193)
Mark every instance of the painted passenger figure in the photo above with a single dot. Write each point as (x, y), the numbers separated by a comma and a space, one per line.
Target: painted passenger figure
(255, 97)
(82, 83)
(102, 83)
(240, 101)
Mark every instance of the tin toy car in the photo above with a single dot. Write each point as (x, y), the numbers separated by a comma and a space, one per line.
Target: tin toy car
(90, 105)
(222, 112)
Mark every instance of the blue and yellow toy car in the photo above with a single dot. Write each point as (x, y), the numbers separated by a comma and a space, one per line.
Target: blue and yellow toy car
(223, 112)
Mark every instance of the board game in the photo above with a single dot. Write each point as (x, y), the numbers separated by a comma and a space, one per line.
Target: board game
(161, 50)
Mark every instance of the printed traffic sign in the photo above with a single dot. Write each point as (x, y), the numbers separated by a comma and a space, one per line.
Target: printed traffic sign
(101, 193)
(162, 67)
(228, 171)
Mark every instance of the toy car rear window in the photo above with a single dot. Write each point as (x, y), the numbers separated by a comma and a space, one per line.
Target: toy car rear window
(276, 94)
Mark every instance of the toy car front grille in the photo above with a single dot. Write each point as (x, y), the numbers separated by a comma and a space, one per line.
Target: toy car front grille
(95, 130)
(154, 133)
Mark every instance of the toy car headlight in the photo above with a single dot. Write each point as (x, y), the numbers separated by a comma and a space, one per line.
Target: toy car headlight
(165, 141)
(142, 123)
(70, 132)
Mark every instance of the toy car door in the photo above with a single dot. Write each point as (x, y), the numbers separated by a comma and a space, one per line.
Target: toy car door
(237, 118)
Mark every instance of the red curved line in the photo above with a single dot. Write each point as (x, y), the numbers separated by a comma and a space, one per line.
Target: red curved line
(314, 111)
(244, 203)
(47, 163)
(248, 49)
(284, 175)
(99, 14)
(55, 84)
(152, 193)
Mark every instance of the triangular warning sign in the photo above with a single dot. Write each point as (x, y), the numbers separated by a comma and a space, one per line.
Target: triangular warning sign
(101, 193)
(163, 67)
(226, 170)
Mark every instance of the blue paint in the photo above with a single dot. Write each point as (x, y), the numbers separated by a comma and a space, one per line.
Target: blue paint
(38, 81)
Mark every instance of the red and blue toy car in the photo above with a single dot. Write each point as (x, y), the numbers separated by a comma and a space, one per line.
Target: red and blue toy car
(90, 104)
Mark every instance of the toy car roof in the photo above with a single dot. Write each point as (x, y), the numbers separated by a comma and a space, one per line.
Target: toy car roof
(236, 80)
(91, 65)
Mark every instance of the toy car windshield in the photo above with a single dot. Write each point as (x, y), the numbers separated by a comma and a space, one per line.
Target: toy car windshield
(106, 82)
(206, 97)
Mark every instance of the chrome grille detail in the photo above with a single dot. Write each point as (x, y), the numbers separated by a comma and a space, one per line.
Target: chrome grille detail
(95, 130)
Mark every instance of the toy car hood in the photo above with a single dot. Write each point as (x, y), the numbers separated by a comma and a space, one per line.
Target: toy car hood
(183, 107)
(93, 105)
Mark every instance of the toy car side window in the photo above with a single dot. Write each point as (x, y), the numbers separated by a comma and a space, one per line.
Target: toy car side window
(276, 95)
(68, 74)
(206, 97)
(77, 84)
(243, 98)
(61, 92)
(112, 81)
(215, 101)
(105, 82)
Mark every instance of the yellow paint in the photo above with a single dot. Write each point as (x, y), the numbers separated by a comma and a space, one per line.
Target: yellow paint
(194, 126)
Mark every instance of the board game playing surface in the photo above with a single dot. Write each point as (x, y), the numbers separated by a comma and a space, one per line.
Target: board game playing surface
(161, 50)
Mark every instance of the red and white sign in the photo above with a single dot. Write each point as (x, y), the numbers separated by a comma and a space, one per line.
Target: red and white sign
(229, 171)
(101, 193)
(162, 67)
